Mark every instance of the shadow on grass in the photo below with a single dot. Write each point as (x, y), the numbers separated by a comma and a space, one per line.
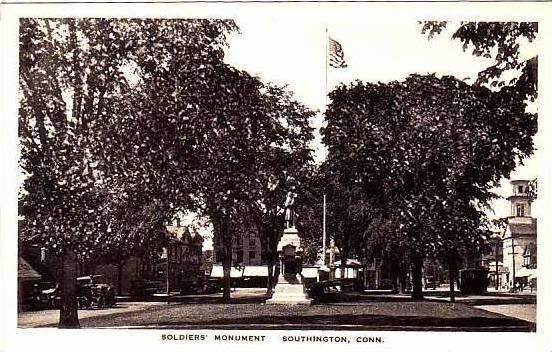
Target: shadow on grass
(219, 300)
(484, 299)
(362, 321)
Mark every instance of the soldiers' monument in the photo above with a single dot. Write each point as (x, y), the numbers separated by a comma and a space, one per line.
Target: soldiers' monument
(290, 288)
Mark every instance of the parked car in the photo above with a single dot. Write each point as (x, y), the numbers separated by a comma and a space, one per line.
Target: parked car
(93, 292)
(430, 283)
(144, 288)
(213, 285)
(325, 291)
(191, 287)
(43, 295)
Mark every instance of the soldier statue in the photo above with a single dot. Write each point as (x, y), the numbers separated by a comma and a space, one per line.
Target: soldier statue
(289, 212)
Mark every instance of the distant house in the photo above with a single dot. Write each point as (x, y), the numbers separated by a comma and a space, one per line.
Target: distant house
(207, 261)
(246, 248)
(184, 256)
(185, 253)
(493, 260)
(27, 276)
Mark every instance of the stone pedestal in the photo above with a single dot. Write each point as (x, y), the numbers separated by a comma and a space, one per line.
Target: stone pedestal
(290, 288)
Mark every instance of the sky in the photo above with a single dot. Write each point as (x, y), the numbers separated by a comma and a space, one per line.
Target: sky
(292, 53)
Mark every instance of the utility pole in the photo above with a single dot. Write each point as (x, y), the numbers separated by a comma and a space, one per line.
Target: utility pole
(324, 234)
(513, 265)
(496, 263)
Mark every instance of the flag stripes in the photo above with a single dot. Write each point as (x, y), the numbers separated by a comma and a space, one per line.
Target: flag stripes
(336, 57)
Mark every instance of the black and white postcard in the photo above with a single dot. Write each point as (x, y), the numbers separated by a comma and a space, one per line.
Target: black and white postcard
(263, 175)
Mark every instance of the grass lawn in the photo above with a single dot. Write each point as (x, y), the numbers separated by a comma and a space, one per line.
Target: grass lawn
(382, 315)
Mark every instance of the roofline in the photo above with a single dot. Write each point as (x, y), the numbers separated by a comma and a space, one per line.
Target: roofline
(519, 180)
(518, 195)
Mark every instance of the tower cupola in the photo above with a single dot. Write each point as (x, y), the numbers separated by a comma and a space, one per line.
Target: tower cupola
(520, 200)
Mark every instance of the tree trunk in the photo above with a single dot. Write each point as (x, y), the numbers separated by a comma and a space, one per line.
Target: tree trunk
(417, 264)
(452, 277)
(271, 255)
(402, 279)
(227, 260)
(68, 313)
(398, 276)
(120, 277)
(226, 283)
(343, 254)
(270, 279)
(451, 286)
(396, 283)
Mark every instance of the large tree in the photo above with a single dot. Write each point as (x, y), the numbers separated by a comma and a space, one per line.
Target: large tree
(423, 144)
(283, 165)
(257, 137)
(85, 140)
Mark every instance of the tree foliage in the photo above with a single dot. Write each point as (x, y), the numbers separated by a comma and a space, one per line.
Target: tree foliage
(427, 152)
(88, 147)
(103, 146)
(501, 42)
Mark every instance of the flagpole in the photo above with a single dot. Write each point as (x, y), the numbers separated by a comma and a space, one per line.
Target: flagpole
(326, 72)
(325, 107)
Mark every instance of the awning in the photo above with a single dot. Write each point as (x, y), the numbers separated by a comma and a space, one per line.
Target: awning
(524, 272)
(255, 271)
(310, 273)
(349, 262)
(218, 272)
(25, 271)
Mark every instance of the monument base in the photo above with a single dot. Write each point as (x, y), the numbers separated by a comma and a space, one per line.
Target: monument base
(289, 291)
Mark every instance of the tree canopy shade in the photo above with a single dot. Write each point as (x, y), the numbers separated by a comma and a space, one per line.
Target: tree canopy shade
(89, 150)
(501, 42)
(125, 121)
(83, 135)
(256, 137)
(426, 151)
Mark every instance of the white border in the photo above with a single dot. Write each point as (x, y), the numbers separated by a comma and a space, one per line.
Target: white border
(12, 339)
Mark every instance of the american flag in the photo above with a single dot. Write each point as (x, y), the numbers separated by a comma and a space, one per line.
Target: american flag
(336, 58)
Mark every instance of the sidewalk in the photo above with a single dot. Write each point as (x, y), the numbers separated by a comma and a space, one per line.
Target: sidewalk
(506, 292)
(31, 319)
(527, 312)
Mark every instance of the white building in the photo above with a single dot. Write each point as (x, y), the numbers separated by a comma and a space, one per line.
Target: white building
(520, 238)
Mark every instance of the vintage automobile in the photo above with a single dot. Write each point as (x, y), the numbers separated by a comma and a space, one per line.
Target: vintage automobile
(213, 285)
(144, 288)
(326, 291)
(43, 295)
(430, 282)
(93, 292)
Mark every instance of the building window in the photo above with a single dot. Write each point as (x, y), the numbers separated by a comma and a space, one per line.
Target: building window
(252, 242)
(520, 189)
(520, 210)
(252, 254)
(239, 257)
(530, 256)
